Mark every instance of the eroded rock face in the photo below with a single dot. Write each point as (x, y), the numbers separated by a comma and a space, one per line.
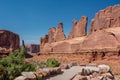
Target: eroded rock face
(100, 39)
(43, 40)
(104, 33)
(79, 28)
(51, 35)
(56, 34)
(9, 40)
(60, 36)
(109, 17)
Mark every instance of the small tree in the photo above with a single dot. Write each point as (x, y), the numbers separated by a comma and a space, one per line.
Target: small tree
(12, 65)
(23, 49)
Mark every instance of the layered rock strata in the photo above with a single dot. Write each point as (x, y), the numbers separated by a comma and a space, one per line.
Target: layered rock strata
(104, 36)
(9, 41)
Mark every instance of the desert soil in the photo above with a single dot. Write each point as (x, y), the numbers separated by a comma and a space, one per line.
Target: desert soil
(113, 61)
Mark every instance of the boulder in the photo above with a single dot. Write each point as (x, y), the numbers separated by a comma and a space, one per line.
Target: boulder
(79, 28)
(8, 41)
(79, 77)
(103, 68)
(108, 75)
(29, 75)
(72, 64)
(85, 72)
(64, 66)
(20, 78)
(109, 17)
(49, 71)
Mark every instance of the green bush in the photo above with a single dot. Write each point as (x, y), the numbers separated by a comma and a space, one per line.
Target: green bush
(119, 76)
(12, 65)
(51, 62)
(40, 64)
(39, 78)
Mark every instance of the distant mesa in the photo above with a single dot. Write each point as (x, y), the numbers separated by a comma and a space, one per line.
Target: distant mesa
(33, 48)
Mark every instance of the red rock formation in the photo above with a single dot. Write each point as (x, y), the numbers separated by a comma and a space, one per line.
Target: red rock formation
(34, 48)
(60, 36)
(100, 39)
(43, 40)
(9, 40)
(56, 34)
(51, 35)
(104, 34)
(79, 28)
(109, 17)
(66, 46)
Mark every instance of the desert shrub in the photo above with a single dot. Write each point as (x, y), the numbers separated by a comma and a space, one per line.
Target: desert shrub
(119, 76)
(51, 62)
(12, 65)
(39, 78)
(28, 67)
(23, 50)
(40, 64)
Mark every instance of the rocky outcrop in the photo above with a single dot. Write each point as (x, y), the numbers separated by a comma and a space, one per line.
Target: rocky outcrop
(43, 40)
(56, 34)
(109, 17)
(51, 35)
(100, 39)
(26, 76)
(9, 41)
(45, 72)
(104, 29)
(60, 36)
(104, 36)
(100, 72)
(79, 28)
(66, 46)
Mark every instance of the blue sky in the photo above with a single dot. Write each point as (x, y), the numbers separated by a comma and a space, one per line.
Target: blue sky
(31, 19)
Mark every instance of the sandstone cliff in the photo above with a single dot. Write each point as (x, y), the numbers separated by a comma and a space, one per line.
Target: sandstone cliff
(79, 28)
(104, 33)
(56, 34)
(104, 29)
(109, 17)
(8, 41)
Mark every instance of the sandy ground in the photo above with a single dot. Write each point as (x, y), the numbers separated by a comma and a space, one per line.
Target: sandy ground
(113, 61)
